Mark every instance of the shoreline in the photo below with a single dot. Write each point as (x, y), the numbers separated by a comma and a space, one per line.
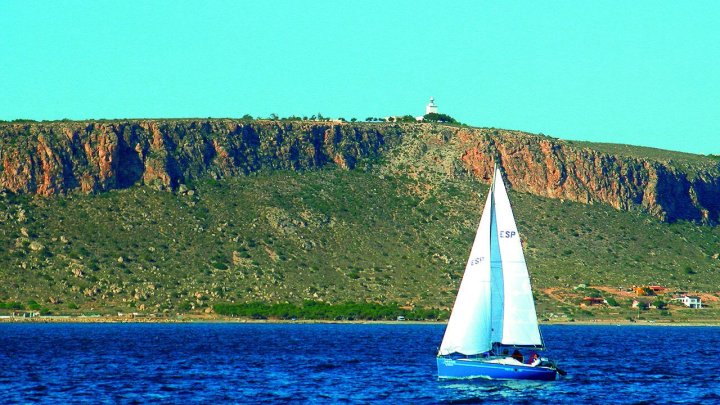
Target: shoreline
(216, 319)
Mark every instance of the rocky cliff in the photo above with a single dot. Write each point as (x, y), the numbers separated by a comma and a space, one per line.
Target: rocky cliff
(52, 158)
(556, 169)
(60, 157)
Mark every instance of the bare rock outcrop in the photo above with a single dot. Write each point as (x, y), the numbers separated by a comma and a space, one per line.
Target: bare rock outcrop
(51, 158)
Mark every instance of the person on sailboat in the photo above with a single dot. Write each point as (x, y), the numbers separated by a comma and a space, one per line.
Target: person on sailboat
(534, 360)
(517, 356)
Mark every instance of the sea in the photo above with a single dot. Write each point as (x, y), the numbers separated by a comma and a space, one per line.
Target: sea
(217, 363)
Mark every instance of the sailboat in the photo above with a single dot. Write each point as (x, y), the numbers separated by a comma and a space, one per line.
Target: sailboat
(493, 330)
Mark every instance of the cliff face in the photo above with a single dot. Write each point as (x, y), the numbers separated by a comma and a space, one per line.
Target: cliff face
(557, 169)
(53, 158)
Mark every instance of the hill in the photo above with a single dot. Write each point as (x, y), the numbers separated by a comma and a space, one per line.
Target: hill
(177, 216)
(60, 157)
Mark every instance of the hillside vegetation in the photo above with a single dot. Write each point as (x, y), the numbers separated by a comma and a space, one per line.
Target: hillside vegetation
(392, 228)
(330, 235)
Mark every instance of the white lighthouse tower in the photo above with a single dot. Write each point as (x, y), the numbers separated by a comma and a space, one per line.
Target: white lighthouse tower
(431, 107)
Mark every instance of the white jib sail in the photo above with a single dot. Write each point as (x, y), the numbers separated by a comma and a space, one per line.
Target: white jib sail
(520, 326)
(469, 328)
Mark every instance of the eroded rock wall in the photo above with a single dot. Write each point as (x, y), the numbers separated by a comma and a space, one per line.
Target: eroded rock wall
(53, 158)
(557, 169)
(58, 157)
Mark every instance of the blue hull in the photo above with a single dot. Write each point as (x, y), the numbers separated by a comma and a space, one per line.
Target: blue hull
(474, 368)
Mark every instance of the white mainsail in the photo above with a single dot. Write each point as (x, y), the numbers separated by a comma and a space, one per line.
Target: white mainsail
(494, 303)
(520, 326)
(468, 330)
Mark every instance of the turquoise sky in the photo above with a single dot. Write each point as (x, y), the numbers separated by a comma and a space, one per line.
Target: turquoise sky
(640, 72)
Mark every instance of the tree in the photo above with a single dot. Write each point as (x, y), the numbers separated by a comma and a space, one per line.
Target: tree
(593, 293)
(353, 119)
(659, 304)
(247, 117)
(435, 117)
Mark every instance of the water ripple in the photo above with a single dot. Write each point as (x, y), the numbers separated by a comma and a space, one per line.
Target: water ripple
(266, 363)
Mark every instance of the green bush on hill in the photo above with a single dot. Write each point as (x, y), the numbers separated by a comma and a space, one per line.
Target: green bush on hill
(11, 305)
(436, 117)
(314, 310)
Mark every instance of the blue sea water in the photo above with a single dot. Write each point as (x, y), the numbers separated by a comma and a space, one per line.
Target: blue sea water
(345, 363)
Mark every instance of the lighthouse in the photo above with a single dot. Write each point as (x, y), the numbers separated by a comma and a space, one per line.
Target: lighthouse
(431, 107)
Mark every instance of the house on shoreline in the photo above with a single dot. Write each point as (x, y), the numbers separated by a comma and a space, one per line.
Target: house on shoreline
(690, 301)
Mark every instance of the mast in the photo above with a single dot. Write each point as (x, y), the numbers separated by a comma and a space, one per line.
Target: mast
(497, 282)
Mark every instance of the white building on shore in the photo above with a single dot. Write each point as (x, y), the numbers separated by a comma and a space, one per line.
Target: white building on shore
(691, 301)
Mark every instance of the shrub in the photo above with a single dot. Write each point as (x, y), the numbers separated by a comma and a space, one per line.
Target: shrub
(11, 305)
(659, 304)
(321, 310)
(435, 117)
(220, 266)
